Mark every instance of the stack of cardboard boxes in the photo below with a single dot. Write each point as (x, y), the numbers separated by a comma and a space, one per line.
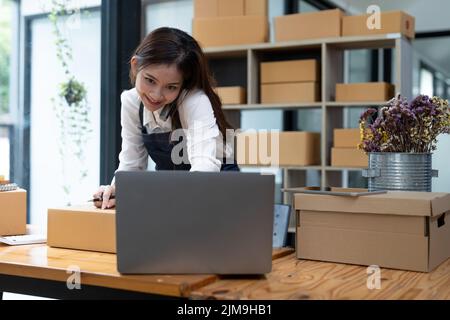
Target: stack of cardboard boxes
(13, 211)
(293, 148)
(333, 23)
(290, 81)
(345, 152)
(230, 22)
(311, 25)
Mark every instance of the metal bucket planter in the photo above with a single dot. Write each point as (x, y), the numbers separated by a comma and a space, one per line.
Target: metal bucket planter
(400, 171)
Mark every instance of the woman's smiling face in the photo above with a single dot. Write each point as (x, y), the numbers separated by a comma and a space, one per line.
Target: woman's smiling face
(158, 84)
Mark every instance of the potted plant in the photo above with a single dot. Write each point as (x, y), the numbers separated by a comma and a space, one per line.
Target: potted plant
(400, 138)
(70, 105)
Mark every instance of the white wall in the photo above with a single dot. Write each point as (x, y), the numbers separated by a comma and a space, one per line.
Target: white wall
(46, 73)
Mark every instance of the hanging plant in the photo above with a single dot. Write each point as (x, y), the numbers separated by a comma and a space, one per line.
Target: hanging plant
(70, 105)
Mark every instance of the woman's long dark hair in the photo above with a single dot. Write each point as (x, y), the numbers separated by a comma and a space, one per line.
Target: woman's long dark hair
(171, 46)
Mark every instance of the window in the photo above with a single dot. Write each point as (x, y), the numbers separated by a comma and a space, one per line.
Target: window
(174, 13)
(8, 42)
(56, 175)
(426, 81)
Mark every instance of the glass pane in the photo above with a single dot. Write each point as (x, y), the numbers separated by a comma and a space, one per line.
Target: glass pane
(426, 82)
(6, 18)
(4, 152)
(173, 13)
(64, 168)
(304, 6)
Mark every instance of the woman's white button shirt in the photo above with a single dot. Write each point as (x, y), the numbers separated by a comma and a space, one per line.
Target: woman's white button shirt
(205, 148)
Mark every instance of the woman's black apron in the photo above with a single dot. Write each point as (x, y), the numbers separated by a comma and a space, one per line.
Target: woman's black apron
(159, 147)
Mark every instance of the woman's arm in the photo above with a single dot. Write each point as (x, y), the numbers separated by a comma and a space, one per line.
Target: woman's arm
(198, 120)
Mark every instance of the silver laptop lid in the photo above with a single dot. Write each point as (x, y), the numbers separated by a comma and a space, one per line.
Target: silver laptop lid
(194, 222)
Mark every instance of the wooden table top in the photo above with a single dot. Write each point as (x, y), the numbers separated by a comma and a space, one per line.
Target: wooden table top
(97, 269)
(304, 279)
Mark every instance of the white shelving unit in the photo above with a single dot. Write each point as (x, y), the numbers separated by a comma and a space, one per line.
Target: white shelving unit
(239, 65)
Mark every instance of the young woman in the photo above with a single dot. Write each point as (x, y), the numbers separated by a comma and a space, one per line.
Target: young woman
(172, 110)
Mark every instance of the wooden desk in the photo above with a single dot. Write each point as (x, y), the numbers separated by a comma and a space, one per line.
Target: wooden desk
(42, 270)
(303, 279)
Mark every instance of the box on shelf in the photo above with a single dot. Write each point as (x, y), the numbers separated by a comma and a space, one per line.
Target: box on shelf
(389, 22)
(349, 157)
(399, 230)
(13, 212)
(311, 25)
(290, 71)
(224, 31)
(289, 92)
(206, 8)
(82, 228)
(364, 91)
(232, 95)
(227, 8)
(346, 138)
(294, 148)
(256, 7)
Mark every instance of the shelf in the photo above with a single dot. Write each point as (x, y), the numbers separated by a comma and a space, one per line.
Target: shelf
(259, 106)
(281, 167)
(353, 42)
(355, 104)
(342, 168)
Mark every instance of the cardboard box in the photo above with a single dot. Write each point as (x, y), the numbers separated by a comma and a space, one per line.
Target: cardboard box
(311, 25)
(365, 91)
(206, 8)
(256, 8)
(290, 92)
(349, 157)
(224, 31)
(13, 212)
(224, 8)
(291, 148)
(232, 95)
(399, 230)
(346, 138)
(228, 8)
(390, 22)
(290, 71)
(82, 228)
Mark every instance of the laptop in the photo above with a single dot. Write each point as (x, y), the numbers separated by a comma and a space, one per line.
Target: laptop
(181, 222)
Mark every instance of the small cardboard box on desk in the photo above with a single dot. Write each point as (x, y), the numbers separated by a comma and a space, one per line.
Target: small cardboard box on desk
(13, 212)
(399, 230)
(83, 228)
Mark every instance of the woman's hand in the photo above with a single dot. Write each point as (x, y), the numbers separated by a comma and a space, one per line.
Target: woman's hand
(105, 193)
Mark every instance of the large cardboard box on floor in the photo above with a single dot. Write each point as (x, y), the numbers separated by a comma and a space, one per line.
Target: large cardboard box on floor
(13, 212)
(399, 230)
(292, 92)
(290, 148)
(389, 22)
(349, 157)
(311, 25)
(82, 228)
(346, 138)
(364, 91)
(305, 70)
(225, 31)
(232, 95)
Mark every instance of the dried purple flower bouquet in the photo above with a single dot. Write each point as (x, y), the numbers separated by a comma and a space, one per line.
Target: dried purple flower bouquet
(400, 126)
